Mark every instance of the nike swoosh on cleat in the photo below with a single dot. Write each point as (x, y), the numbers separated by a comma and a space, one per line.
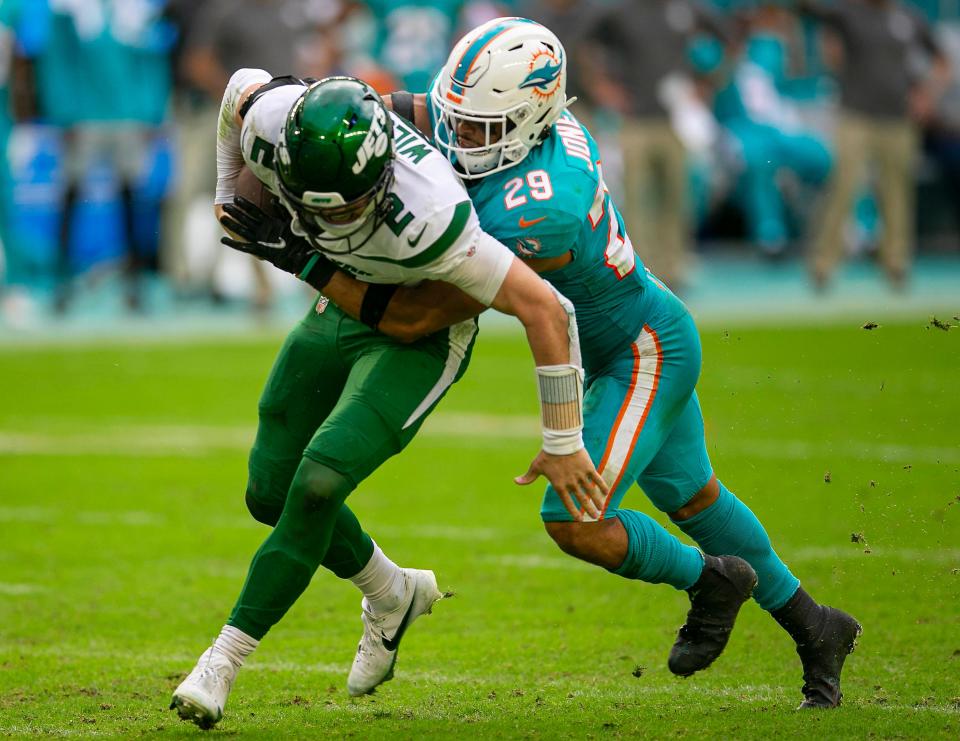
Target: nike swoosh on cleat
(394, 643)
(415, 242)
(524, 224)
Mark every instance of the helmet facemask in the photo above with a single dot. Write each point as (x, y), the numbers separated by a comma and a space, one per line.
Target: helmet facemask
(488, 148)
(326, 219)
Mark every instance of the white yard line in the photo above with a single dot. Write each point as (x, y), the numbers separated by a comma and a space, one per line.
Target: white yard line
(16, 590)
(191, 441)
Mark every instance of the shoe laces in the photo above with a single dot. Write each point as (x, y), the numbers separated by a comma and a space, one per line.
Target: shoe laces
(216, 673)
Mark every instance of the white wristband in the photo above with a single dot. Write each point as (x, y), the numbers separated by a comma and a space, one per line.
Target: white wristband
(562, 442)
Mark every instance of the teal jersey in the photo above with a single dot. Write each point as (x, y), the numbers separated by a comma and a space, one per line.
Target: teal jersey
(554, 202)
(414, 38)
(111, 57)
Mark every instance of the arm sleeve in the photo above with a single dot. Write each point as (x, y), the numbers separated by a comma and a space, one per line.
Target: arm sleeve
(229, 154)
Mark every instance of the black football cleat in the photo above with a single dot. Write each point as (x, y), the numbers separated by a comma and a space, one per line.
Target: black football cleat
(725, 584)
(823, 658)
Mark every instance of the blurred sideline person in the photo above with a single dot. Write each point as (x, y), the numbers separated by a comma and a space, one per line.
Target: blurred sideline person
(378, 201)
(637, 49)
(412, 37)
(95, 49)
(879, 94)
(764, 137)
(539, 189)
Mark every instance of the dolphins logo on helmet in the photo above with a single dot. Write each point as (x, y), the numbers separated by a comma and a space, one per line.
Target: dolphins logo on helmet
(545, 70)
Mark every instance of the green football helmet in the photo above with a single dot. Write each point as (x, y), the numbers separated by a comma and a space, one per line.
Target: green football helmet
(335, 163)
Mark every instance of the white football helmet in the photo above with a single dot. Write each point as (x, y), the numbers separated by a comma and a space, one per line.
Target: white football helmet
(504, 84)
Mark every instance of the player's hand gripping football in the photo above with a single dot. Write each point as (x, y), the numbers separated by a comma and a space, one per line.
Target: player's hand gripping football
(268, 237)
(574, 478)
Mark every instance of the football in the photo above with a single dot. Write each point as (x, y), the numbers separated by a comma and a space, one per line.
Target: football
(250, 187)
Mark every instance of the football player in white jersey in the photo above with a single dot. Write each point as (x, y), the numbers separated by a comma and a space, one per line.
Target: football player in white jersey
(375, 199)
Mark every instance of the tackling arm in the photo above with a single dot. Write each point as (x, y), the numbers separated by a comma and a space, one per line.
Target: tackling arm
(549, 321)
(404, 313)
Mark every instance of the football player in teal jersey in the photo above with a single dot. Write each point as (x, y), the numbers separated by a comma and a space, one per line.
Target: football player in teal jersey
(498, 111)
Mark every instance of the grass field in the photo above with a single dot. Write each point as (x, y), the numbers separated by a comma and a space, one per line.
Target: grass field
(124, 541)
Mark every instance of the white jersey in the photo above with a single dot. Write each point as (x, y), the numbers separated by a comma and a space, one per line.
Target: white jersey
(432, 231)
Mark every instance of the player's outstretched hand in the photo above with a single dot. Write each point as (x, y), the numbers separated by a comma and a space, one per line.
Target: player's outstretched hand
(574, 478)
(268, 237)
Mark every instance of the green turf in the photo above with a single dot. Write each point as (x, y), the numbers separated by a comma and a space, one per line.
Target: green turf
(124, 540)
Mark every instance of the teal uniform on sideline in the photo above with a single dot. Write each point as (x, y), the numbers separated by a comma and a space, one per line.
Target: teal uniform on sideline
(413, 37)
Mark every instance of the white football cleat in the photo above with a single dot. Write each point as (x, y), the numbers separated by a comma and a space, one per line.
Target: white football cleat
(201, 697)
(377, 652)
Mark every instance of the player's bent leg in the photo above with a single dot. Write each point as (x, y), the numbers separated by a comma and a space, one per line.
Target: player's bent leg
(723, 525)
(631, 545)
(390, 391)
(285, 563)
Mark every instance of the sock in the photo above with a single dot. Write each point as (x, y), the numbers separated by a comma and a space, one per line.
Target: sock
(235, 645)
(801, 617)
(728, 528)
(381, 582)
(654, 555)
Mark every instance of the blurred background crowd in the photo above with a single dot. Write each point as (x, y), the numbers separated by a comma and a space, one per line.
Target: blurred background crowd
(809, 132)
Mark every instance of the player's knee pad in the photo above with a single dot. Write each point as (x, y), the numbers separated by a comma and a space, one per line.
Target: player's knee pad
(729, 528)
(318, 490)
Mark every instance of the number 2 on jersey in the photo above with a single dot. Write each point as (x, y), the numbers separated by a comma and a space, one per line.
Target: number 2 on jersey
(537, 184)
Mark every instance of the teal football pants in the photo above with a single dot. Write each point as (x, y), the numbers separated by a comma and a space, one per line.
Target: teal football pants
(642, 420)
